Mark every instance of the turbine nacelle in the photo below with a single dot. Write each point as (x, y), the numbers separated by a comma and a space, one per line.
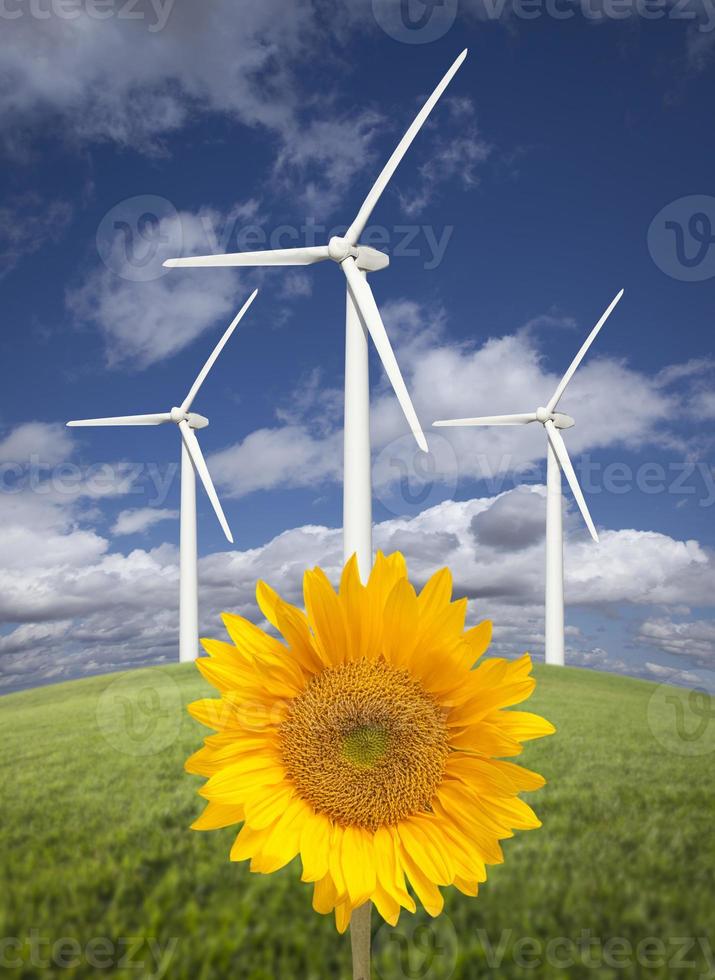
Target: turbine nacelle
(368, 259)
(560, 420)
(195, 420)
(187, 421)
(355, 260)
(552, 421)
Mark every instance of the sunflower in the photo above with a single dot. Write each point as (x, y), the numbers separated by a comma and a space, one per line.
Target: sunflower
(366, 742)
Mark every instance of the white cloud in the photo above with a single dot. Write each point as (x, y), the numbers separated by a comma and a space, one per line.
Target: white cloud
(82, 609)
(694, 640)
(126, 80)
(613, 404)
(456, 152)
(48, 442)
(285, 457)
(144, 322)
(140, 519)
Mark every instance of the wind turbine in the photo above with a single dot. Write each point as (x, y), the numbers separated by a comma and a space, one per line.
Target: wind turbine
(362, 317)
(192, 462)
(557, 459)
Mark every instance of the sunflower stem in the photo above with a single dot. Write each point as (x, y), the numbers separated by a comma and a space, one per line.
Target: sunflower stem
(360, 941)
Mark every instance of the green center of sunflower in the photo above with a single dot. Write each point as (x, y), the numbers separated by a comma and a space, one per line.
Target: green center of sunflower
(365, 744)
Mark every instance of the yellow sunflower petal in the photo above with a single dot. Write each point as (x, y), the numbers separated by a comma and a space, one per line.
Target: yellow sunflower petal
(399, 634)
(389, 870)
(251, 640)
(296, 631)
(385, 574)
(325, 612)
(315, 848)
(485, 739)
(418, 838)
(361, 613)
(479, 637)
(386, 905)
(367, 741)
(217, 815)
(426, 890)
(358, 864)
(325, 896)
(521, 725)
(214, 713)
(264, 809)
(343, 914)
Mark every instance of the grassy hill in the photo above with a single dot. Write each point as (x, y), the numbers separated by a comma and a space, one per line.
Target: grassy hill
(99, 873)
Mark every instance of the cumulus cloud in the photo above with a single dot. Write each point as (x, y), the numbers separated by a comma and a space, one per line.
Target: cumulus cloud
(448, 380)
(285, 457)
(513, 522)
(140, 519)
(456, 152)
(143, 321)
(694, 640)
(135, 77)
(49, 442)
(83, 609)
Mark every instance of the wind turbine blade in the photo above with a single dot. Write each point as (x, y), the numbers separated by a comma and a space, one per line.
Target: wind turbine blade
(559, 447)
(523, 419)
(277, 256)
(367, 308)
(197, 458)
(363, 216)
(186, 404)
(124, 420)
(581, 354)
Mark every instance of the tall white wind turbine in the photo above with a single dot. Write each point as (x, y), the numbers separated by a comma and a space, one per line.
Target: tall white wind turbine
(192, 462)
(557, 459)
(362, 317)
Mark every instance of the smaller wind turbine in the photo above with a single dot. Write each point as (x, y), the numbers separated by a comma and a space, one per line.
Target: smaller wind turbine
(192, 462)
(557, 459)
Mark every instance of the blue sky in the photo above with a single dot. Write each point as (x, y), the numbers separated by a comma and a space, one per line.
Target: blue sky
(535, 192)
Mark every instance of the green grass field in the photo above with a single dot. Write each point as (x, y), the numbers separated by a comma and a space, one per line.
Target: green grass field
(99, 872)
